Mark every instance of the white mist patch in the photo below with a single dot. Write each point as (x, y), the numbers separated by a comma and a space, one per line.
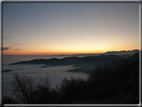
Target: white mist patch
(56, 74)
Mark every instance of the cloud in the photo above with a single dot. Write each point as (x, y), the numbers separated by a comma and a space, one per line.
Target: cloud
(17, 49)
(5, 48)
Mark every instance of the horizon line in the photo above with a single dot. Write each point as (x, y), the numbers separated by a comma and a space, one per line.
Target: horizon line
(77, 53)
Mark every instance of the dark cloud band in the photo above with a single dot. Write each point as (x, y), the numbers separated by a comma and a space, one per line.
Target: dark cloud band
(5, 48)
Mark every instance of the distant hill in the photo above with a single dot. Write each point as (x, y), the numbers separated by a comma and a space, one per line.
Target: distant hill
(121, 52)
(86, 64)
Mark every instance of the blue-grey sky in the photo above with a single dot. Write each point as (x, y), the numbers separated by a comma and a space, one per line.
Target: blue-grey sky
(68, 28)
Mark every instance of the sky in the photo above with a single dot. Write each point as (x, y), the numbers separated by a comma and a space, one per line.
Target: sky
(69, 28)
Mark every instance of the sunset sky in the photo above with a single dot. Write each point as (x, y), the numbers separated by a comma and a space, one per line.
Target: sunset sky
(69, 28)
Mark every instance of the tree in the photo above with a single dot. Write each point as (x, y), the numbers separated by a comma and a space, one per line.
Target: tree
(23, 87)
(71, 87)
(42, 92)
(97, 75)
(27, 91)
(107, 72)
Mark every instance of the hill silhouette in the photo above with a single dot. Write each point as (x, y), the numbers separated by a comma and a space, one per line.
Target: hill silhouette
(83, 64)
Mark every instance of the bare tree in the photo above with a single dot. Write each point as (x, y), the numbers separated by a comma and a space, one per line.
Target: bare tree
(23, 87)
(42, 92)
(27, 91)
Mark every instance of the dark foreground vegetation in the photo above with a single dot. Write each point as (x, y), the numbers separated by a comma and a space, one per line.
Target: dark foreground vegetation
(101, 88)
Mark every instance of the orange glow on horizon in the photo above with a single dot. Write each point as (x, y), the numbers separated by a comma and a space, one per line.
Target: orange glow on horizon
(49, 53)
(59, 52)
